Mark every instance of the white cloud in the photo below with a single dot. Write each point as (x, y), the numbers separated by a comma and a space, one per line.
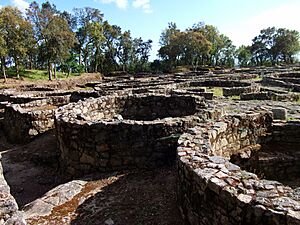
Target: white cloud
(284, 16)
(20, 4)
(122, 4)
(142, 4)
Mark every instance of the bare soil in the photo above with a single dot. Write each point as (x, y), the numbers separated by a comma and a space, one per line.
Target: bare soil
(61, 84)
(126, 198)
(30, 169)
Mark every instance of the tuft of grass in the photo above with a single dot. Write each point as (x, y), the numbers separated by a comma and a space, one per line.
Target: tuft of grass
(293, 119)
(235, 97)
(218, 91)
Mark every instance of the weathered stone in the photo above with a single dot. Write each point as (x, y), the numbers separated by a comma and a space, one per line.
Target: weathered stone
(279, 113)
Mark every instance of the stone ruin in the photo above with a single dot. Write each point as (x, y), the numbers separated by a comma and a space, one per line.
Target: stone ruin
(237, 160)
(111, 133)
(214, 190)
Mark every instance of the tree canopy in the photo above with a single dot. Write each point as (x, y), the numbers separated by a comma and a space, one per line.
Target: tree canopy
(83, 41)
(204, 45)
(72, 42)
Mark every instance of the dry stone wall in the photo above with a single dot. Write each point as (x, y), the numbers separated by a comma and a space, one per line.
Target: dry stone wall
(22, 122)
(112, 133)
(212, 190)
(237, 91)
(279, 159)
(278, 82)
(9, 211)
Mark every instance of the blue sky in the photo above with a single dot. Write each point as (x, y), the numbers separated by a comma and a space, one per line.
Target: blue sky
(240, 20)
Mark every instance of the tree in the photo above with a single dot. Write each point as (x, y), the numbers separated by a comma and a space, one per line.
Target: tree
(287, 44)
(87, 20)
(141, 53)
(57, 42)
(16, 35)
(263, 46)
(125, 47)
(169, 50)
(274, 45)
(221, 51)
(53, 34)
(166, 35)
(244, 55)
(226, 54)
(194, 46)
(3, 54)
(211, 33)
(111, 34)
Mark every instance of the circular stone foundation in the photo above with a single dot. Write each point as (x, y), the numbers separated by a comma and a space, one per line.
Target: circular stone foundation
(113, 133)
(213, 190)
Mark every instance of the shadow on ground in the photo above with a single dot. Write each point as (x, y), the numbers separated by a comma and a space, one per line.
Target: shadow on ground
(127, 198)
(30, 169)
(137, 198)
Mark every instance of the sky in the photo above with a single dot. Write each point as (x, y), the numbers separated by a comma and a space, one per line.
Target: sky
(240, 20)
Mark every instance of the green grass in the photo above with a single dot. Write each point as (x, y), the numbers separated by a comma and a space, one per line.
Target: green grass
(37, 74)
(293, 119)
(216, 90)
(257, 78)
(235, 97)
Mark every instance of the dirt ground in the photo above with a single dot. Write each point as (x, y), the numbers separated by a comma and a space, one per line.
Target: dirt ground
(30, 169)
(123, 198)
(61, 84)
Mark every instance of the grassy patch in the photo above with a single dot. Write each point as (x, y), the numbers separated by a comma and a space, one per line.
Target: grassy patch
(257, 78)
(216, 90)
(38, 74)
(293, 119)
(235, 97)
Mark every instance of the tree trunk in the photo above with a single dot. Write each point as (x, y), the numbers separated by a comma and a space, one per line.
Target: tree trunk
(80, 57)
(54, 71)
(49, 70)
(3, 68)
(17, 69)
(85, 64)
(69, 72)
(30, 62)
(96, 59)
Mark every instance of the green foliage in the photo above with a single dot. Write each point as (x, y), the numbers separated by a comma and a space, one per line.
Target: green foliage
(244, 56)
(273, 46)
(16, 36)
(53, 33)
(199, 45)
(235, 97)
(83, 41)
(71, 65)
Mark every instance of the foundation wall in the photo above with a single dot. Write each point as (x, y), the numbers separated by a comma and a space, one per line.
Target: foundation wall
(9, 211)
(113, 133)
(22, 122)
(213, 191)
